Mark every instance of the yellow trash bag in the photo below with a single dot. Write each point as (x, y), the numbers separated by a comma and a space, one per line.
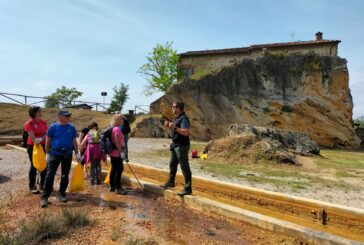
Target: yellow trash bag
(78, 180)
(39, 158)
(107, 179)
(203, 156)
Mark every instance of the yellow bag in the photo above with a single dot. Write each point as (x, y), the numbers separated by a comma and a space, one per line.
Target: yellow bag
(107, 179)
(203, 156)
(39, 158)
(78, 180)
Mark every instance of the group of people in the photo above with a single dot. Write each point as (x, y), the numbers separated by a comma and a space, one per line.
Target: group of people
(59, 141)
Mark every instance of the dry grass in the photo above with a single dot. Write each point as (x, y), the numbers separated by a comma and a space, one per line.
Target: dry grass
(44, 227)
(76, 218)
(13, 117)
(48, 226)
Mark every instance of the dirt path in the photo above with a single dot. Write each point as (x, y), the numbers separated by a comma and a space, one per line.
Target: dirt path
(142, 218)
(14, 169)
(143, 151)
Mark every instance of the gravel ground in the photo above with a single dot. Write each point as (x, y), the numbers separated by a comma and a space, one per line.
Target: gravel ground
(141, 151)
(138, 218)
(14, 167)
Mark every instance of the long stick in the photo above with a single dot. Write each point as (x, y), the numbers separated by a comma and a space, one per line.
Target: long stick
(135, 176)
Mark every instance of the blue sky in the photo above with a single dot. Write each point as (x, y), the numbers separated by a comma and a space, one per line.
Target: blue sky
(94, 45)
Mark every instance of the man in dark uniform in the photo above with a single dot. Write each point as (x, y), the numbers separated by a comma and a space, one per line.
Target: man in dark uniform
(180, 129)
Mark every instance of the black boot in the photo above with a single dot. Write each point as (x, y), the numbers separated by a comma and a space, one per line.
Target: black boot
(44, 202)
(185, 192)
(168, 184)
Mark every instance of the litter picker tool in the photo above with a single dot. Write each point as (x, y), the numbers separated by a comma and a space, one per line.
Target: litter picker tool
(135, 176)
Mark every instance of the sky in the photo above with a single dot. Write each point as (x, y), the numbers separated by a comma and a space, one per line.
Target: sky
(94, 45)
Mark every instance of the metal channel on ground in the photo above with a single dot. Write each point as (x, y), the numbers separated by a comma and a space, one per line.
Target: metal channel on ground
(315, 221)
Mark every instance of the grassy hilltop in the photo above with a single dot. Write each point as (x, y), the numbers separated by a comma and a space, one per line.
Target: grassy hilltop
(13, 117)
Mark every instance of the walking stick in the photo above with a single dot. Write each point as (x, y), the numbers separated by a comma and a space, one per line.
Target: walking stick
(135, 176)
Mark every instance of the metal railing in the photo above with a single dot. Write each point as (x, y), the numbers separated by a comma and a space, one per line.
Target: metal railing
(26, 98)
(141, 108)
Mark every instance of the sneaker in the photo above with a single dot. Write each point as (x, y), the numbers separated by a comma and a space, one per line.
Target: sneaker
(121, 191)
(62, 197)
(34, 191)
(168, 185)
(185, 192)
(44, 202)
(112, 189)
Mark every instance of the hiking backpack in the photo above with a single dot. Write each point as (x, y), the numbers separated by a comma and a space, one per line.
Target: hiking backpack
(94, 137)
(106, 141)
(126, 127)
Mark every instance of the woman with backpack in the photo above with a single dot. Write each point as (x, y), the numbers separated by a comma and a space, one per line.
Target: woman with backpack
(117, 155)
(35, 129)
(93, 153)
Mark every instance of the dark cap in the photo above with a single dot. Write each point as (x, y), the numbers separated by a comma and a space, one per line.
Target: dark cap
(64, 113)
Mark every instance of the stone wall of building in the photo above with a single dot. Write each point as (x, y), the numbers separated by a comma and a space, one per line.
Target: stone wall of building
(201, 65)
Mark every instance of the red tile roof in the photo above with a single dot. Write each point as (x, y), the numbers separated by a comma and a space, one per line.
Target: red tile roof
(253, 47)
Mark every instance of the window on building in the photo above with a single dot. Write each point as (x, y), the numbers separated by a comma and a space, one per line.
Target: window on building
(187, 72)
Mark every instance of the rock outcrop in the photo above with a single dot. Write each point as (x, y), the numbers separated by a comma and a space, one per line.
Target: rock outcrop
(296, 141)
(248, 143)
(305, 93)
(149, 127)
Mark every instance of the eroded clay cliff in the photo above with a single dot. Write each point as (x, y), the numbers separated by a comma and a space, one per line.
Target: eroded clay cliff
(307, 93)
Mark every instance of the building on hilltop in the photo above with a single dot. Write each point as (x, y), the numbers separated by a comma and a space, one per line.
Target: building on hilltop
(196, 64)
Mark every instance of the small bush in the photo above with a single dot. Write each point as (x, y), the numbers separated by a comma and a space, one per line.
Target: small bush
(75, 218)
(7, 239)
(287, 108)
(266, 109)
(134, 241)
(41, 228)
(115, 234)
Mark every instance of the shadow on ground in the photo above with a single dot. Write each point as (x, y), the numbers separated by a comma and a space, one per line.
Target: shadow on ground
(4, 179)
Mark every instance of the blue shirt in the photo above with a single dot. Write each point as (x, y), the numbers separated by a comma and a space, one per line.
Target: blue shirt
(62, 138)
(185, 123)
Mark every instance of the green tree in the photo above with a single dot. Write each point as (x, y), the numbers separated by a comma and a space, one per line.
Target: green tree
(160, 70)
(62, 97)
(119, 98)
(360, 121)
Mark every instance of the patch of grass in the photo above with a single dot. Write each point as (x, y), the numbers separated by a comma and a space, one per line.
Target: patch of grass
(134, 241)
(341, 159)
(166, 153)
(346, 174)
(42, 228)
(115, 233)
(7, 239)
(75, 218)
(49, 226)
(159, 153)
(278, 175)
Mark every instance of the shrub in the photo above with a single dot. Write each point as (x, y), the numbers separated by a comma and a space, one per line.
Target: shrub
(266, 109)
(41, 228)
(75, 218)
(7, 239)
(287, 108)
